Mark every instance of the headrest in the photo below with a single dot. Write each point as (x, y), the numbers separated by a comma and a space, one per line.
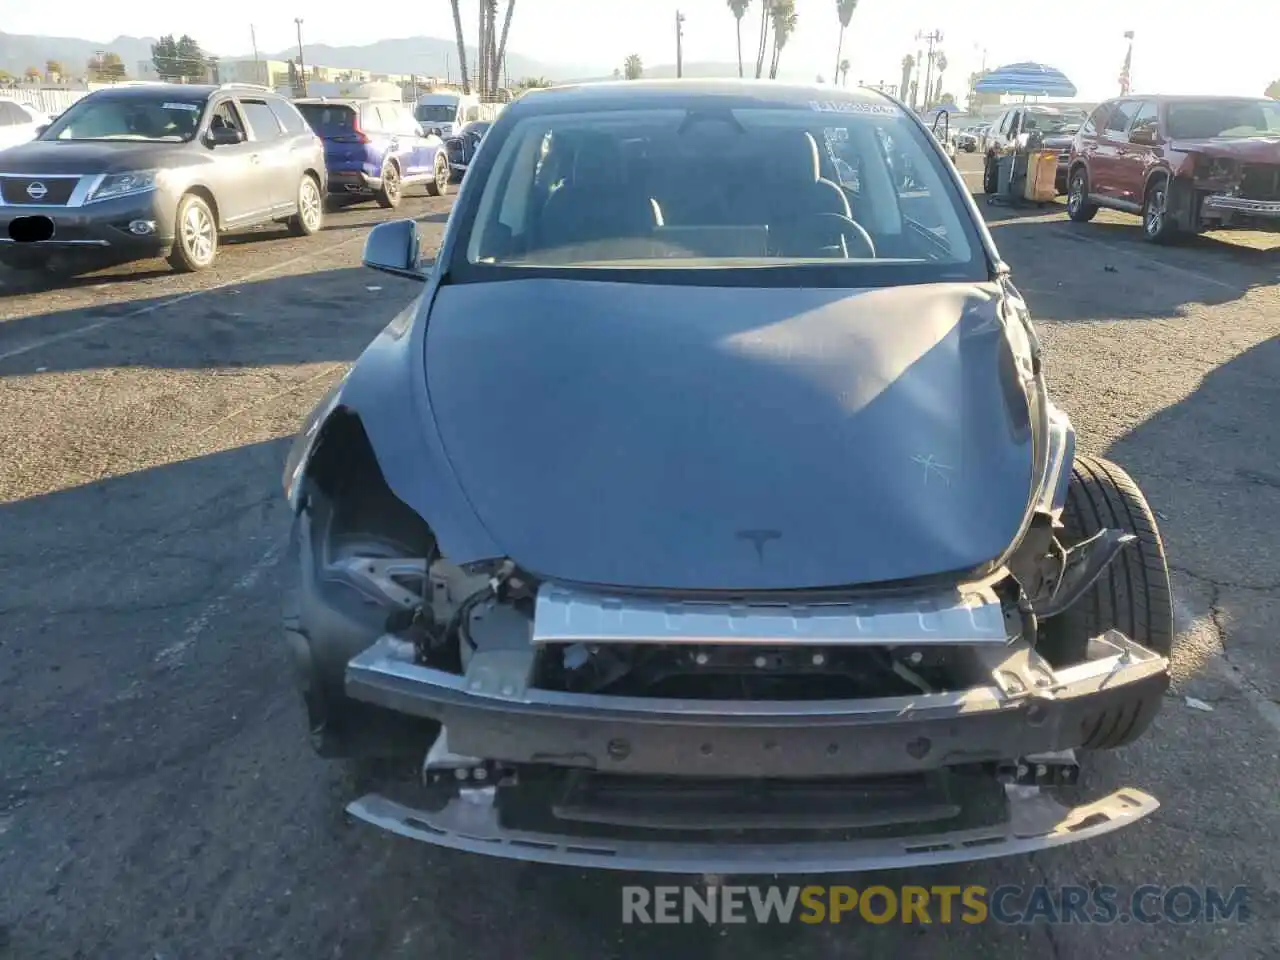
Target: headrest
(598, 162)
(794, 158)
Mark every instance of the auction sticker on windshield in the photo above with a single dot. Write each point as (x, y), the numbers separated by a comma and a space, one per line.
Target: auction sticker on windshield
(192, 107)
(842, 106)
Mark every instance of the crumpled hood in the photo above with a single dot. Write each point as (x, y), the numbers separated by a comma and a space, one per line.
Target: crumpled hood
(96, 156)
(728, 438)
(1244, 149)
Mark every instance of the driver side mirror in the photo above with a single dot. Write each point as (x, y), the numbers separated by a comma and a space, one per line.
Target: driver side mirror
(224, 136)
(435, 132)
(1145, 137)
(41, 129)
(392, 247)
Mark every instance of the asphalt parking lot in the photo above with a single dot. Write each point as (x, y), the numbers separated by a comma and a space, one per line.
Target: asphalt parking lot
(158, 797)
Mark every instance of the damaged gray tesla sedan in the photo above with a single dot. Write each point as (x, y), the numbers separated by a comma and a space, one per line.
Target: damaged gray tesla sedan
(707, 511)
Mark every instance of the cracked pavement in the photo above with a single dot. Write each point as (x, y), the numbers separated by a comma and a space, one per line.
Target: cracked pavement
(157, 794)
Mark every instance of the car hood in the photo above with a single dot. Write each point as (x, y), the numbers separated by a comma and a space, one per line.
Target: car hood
(724, 438)
(100, 156)
(1245, 149)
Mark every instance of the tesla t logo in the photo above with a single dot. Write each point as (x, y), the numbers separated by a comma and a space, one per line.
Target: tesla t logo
(758, 539)
(37, 190)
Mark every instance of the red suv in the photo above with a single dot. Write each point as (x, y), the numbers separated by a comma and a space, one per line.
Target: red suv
(1184, 164)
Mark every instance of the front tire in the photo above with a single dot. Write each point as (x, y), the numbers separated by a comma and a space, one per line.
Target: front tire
(1158, 226)
(310, 216)
(389, 193)
(441, 176)
(195, 242)
(1133, 595)
(990, 177)
(1079, 208)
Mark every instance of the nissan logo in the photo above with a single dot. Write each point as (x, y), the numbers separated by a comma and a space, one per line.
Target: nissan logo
(37, 190)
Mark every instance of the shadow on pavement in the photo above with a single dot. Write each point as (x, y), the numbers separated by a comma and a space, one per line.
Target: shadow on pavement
(303, 318)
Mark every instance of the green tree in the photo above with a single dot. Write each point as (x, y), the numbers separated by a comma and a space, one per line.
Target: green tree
(783, 15)
(633, 67)
(739, 8)
(105, 67)
(191, 59)
(941, 64)
(765, 7)
(844, 72)
(844, 10)
(1273, 91)
(6, 78)
(164, 55)
(32, 73)
(533, 83)
(462, 46)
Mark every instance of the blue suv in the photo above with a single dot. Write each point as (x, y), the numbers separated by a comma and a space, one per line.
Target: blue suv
(375, 148)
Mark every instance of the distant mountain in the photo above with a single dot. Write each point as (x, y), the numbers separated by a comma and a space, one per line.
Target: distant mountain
(432, 56)
(17, 52)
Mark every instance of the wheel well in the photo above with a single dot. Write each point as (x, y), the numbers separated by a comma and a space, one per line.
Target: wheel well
(1073, 168)
(393, 162)
(313, 175)
(205, 194)
(345, 469)
(1152, 178)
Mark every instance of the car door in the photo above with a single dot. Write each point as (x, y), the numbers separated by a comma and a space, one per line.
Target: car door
(279, 183)
(236, 177)
(1106, 168)
(413, 146)
(1144, 152)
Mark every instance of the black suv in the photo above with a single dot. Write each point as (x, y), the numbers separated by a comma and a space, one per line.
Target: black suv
(157, 169)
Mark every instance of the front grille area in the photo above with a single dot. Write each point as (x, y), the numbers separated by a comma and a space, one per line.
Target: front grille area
(1260, 181)
(54, 191)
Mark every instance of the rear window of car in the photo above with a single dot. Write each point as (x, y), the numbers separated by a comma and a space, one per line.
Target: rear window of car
(327, 119)
(288, 116)
(679, 189)
(1202, 120)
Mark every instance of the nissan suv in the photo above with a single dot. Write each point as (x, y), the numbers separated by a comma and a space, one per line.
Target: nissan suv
(155, 169)
(1184, 164)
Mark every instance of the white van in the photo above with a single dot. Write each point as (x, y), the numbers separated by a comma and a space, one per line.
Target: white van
(449, 111)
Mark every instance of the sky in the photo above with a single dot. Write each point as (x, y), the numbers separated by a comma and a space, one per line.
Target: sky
(1227, 46)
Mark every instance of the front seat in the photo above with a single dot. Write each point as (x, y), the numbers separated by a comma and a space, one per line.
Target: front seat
(596, 202)
(796, 193)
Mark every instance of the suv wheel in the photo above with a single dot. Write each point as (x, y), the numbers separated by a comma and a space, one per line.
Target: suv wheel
(195, 242)
(1157, 225)
(1078, 206)
(438, 186)
(389, 195)
(990, 176)
(310, 215)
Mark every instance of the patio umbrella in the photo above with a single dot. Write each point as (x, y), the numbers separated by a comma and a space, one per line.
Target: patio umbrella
(1028, 79)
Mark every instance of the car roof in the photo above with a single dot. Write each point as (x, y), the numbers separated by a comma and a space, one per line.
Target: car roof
(1192, 98)
(345, 101)
(140, 91)
(657, 94)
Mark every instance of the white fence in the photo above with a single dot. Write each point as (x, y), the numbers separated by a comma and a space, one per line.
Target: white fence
(47, 100)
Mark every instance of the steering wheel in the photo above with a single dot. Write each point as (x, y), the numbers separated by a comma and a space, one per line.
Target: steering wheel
(855, 229)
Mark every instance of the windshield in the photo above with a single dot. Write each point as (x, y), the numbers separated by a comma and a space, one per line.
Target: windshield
(161, 118)
(751, 187)
(1223, 118)
(328, 120)
(435, 112)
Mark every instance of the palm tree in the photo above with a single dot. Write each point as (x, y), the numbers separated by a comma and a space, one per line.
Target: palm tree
(783, 15)
(462, 46)
(633, 67)
(908, 64)
(765, 6)
(844, 10)
(941, 63)
(502, 44)
(739, 8)
(844, 72)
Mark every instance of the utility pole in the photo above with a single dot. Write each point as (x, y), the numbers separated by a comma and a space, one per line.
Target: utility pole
(253, 38)
(302, 65)
(932, 38)
(679, 44)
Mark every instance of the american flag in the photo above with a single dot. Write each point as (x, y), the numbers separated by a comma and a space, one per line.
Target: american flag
(1128, 60)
